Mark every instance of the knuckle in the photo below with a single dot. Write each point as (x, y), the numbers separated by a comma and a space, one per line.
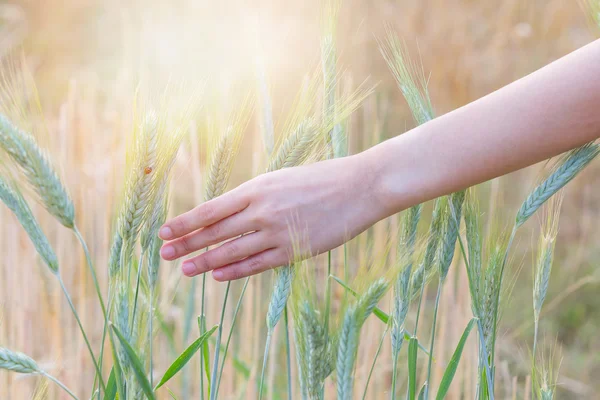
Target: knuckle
(206, 212)
(213, 232)
(255, 264)
(185, 244)
(231, 250)
(180, 224)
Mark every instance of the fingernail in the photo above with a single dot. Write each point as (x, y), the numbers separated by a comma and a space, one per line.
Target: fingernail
(217, 274)
(165, 232)
(188, 268)
(167, 252)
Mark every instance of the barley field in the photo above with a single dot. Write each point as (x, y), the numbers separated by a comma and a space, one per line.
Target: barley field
(115, 115)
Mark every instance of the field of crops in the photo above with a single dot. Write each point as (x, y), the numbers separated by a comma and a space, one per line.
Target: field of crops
(115, 115)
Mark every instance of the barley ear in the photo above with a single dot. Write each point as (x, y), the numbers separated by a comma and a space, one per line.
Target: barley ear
(13, 199)
(567, 169)
(17, 362)
(348, 340)
(281, 292)
(35, 165)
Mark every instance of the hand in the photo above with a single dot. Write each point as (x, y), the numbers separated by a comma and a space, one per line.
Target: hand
(327, 203)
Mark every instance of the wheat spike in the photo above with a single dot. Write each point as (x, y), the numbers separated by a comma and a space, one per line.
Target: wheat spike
(354, 318)
(281, 292)
(14, 200)
(433, 242)
(450, 233)
(33, 161)
(17, 362)
(568, 168)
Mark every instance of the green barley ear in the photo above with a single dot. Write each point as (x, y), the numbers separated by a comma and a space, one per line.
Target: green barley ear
(281, 293)
(491, 293)
(23, 364)
(450, 232)
(349, 336)
(13, 199)
(409, 76)
(567, 168)
(474, 246)
(423, 272)
(19, 106)
(34, 163)
(545, 254)
(225, 148)
(17, 362)
(329, 16)
(545, 375)
(297, 146)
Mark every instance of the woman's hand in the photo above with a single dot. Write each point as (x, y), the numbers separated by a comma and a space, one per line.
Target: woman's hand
(325, 204)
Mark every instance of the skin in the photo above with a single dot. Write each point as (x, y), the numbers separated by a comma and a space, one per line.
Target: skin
(551, 111)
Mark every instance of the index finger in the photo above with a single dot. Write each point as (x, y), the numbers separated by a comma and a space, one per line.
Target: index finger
(203, 215)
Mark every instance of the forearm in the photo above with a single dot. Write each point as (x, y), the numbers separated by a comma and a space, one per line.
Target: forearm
(542, 115)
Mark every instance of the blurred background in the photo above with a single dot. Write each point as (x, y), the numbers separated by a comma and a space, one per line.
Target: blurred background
(88, 57)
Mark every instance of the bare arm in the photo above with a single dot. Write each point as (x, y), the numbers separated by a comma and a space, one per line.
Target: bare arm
(542, 115)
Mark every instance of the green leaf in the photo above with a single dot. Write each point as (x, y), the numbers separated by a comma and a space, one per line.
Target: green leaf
(205, 351)
(111, 386)
(453, 363)
(136, 364)
(183, 359)
(412, 368)
(422, 391)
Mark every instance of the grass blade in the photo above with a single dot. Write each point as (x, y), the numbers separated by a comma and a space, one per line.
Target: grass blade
(111, 386)
(453, 364)
(412, 368)
(136, 364)
(185, 357)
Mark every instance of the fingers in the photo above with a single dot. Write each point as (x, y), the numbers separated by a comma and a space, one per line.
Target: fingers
(203, 215)
(228, 253)
(228, 228)
(251, 266)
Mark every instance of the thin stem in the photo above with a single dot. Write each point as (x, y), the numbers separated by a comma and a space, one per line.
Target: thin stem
(59, 383)
(264, 366)
(288, 357)
(327, 296)
(395, 374)
(375, 361)
(218, 345)
(202, 352)
(85, 338)
(137, 289)
(435, 311)
(536, 322)
(90, 265)
(233, 321)
(419, 305)
(150, 322)
(493, 350)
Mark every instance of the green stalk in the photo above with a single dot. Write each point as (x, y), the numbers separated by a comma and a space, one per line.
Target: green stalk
(59, 383)
(375, 361)
(218, 345)
(233, 321)
(435, 311)
(327, 296)
(85, 338)
(264, 366)
(90, 265)
(395, 374)
(151, 318)
(137, 289)
(288, 358)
